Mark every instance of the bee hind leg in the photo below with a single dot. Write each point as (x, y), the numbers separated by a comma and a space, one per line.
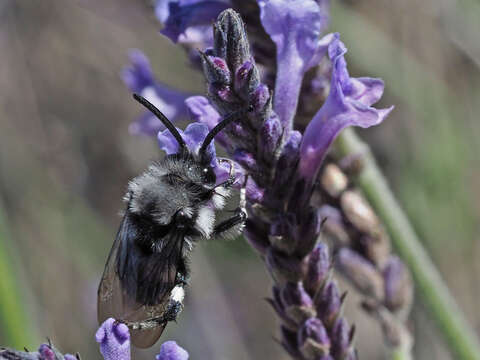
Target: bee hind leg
(174, 307)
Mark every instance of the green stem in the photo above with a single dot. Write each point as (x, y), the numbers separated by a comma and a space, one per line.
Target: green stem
(458, 334)
(14, 322)
(401, 354)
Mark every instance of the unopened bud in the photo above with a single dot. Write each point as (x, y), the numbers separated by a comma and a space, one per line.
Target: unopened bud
(333, 180)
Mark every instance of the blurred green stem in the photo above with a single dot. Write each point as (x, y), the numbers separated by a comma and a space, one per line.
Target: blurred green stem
(401, 354)
(14, 323)
(460, 337)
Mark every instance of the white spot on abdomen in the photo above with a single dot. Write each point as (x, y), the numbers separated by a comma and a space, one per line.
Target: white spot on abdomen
(177, 294)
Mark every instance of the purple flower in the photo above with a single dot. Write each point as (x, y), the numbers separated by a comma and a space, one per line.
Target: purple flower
(186, 21)
(203, 112)
(295, 27)
(193, 136)
(348, 103)
(171, 351)
(140, 79)
(114, 340)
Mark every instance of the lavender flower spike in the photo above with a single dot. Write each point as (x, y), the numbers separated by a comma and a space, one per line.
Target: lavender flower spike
(348, 103)
(171, 351)
(114, 340)
(283, 229)
(139, 79)
(295, 27)
(180, 15)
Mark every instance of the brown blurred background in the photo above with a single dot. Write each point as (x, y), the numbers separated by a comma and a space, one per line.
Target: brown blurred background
(66, 156)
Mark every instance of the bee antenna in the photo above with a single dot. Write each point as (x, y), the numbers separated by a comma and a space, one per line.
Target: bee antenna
(227, 120)
(168, 124)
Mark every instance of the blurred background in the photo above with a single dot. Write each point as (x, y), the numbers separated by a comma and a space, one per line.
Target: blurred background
(66, 156)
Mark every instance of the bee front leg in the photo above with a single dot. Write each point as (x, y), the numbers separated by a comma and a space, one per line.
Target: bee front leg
(233, 226)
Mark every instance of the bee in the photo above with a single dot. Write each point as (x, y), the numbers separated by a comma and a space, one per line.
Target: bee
(169, 208)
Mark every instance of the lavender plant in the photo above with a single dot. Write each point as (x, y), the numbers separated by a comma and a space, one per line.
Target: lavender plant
(282, 163)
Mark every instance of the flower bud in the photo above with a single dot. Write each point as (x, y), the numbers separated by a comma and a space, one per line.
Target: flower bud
(171, 351)
(215, 69)
(318, 268)
(342, 337)
(279, 307)
(282, 233)
(289, 342)
(287, 162)
(257, 235)
(309, 229)
(223, 97)
(230, 39)
(247, 79)
(259, 98)
(359, 213)
(270, 135)
(333, 180)
(377, 248)
(113, 338)
(298, 304)
(46, 352)
(313, 340)
(283, 267)
(329, 304)
(398, 285)
(333, 226)
(361, 273)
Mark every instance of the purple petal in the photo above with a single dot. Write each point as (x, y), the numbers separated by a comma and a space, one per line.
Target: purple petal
(182, 15)
(139, 78)
(171, 351)
(202, 111)
(195, 133)
(348, 104)
(114, 340)
(139, 74)
(295, 27)
(193, 136)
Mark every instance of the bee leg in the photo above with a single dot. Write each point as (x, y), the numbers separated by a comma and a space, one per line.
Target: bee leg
(174, 307)
(231, 174)
(233, 226)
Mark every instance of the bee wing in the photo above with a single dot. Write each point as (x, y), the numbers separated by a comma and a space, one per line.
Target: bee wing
(136, 287)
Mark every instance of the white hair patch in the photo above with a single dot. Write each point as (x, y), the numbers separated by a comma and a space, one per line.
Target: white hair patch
(205, 220)
(177, 294)
(220, 197)
(218, 201)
